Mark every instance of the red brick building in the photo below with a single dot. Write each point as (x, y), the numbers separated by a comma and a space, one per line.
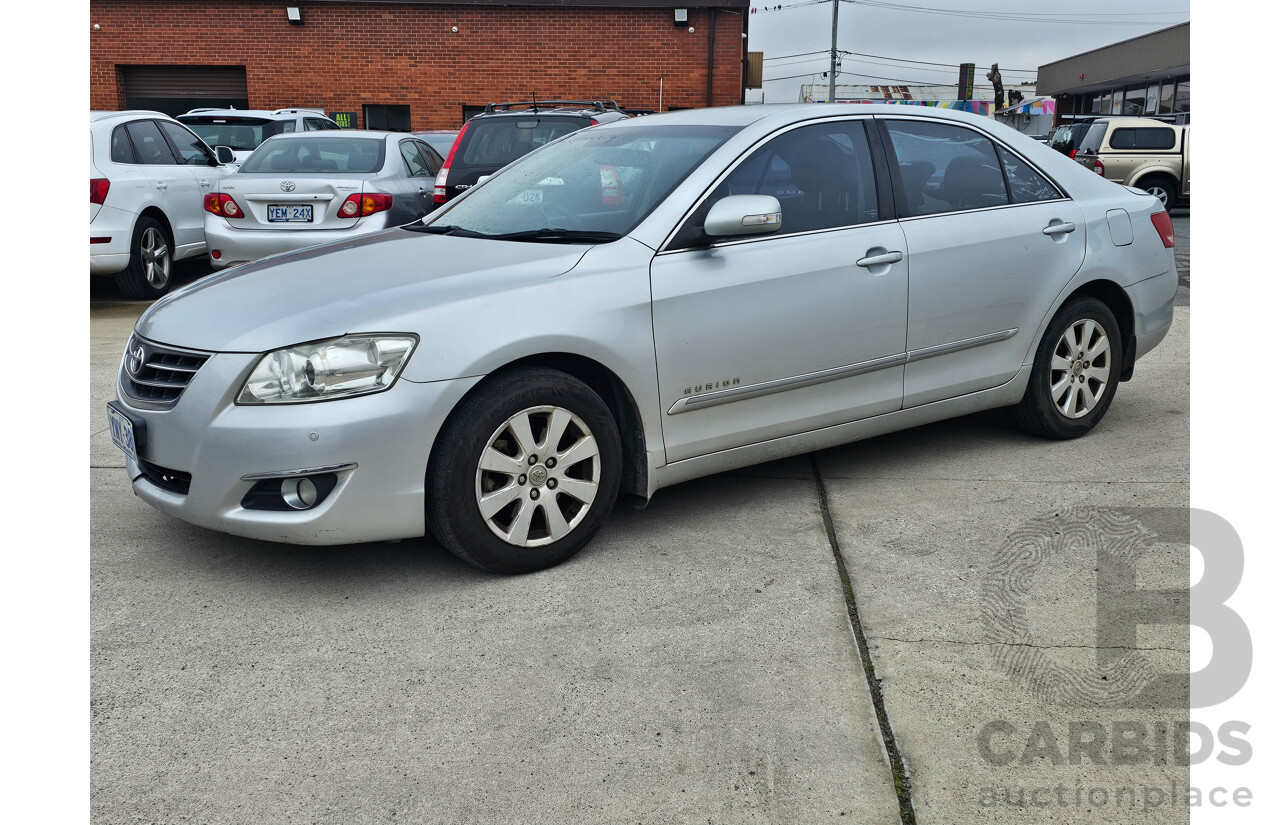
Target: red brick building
(413, 64)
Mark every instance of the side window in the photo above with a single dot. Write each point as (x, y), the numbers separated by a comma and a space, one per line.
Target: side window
(434, 161)
(149, 144)
(1026, 185)
(121, 150)
(314, 124)
(413, 158)
(1142, 138)
(822, 176)
(946, 168)
(190, 148)
(288, 126)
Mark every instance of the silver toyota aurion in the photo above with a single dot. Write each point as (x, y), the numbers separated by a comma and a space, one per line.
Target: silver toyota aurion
(638, 304)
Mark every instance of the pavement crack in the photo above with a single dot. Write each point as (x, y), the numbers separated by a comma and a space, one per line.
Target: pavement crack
(925, 640)
(901, 782)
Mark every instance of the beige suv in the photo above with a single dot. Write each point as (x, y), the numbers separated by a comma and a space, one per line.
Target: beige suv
(1142, 152)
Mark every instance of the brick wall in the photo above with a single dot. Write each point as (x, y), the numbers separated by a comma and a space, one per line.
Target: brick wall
(345, 56)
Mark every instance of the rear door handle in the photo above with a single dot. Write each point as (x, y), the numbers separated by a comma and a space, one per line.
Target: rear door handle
(161, 185)
(204, 184)
(1059, 228)
(877, 260)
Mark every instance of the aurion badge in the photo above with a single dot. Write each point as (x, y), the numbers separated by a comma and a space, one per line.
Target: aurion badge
(137, 358)
(287, 185)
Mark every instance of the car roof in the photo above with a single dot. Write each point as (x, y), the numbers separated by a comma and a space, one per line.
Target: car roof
(276, 114)
(127, 114)
(330, 134)
(780, 114)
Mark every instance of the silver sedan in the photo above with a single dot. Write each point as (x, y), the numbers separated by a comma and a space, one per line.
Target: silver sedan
(635, 305)
(305, 188)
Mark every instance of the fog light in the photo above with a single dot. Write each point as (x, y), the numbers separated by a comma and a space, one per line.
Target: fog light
(298, 493)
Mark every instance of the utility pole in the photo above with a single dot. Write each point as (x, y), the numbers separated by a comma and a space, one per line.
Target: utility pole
(835, 17)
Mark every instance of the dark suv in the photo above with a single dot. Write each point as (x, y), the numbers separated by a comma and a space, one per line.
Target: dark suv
(1066, 138)
(506, 131)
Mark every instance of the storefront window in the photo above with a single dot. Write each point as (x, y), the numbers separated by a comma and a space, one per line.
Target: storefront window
(1106, 103)
(1153, 99)
(1092, 104)
(1182, 103)
(1166, 97)
(1135, 98)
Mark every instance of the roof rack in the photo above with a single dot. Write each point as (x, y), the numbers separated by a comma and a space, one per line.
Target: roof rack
(288, 109)
(598, 105)
(210, 109)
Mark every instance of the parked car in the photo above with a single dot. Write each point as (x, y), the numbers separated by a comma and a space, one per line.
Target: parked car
(506, 131)
(1142, 152)
(244, 129)
(773, 280)
(147, 175)
(439, 139)
(306, 188)
(1066, 138)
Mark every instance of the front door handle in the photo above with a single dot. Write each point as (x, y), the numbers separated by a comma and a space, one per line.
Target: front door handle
(877, 260)
(1058, 229)
(161, 185)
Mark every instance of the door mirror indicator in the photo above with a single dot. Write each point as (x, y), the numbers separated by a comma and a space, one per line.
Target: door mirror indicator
(743, 215)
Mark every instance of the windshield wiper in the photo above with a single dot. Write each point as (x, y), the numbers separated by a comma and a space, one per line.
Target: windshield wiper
(555, 234)
(446, 229)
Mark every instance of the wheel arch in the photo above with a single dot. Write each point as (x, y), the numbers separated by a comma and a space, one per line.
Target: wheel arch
(158, 214)
(616, 396)
(1151, 172)
(1114, 296)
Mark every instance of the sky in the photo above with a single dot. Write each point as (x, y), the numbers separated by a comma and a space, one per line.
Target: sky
(1020, 35)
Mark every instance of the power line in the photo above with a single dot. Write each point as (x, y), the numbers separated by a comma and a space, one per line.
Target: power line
(1026, 17)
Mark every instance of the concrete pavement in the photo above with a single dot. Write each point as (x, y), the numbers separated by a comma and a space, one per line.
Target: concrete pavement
(695, 663)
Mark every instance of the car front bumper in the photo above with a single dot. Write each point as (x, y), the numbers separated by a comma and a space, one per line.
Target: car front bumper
(239, 246)
(387, 435)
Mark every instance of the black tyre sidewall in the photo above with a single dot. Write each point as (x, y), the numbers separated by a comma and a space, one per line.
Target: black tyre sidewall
(133, 280)
(1167, 185)
(1038, 412)
(452, 511)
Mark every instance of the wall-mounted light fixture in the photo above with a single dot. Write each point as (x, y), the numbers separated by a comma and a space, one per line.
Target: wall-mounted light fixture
(294, 14)
(682, 17)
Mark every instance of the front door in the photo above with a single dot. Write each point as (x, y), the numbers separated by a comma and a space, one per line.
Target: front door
(769, 336)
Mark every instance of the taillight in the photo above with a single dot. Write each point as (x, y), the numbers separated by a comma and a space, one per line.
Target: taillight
(1164, 225)
(442, 178)
(595, 122)
(1072, 154)
(358, 206)
(98, 188)
(1099, 168)
(220, 204)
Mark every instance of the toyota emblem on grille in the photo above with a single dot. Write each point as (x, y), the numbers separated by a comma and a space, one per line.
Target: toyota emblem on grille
(136, 359)
(287, 185)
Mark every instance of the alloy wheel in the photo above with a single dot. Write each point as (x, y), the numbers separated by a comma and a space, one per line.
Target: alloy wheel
(537, 476)
(155, 257)
(1080, 368)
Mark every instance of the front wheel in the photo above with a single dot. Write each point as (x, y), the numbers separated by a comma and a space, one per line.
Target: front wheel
(1076, 369)
(524, 472)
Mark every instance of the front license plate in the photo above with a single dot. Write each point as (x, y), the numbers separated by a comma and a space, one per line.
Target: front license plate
(284, 213)
(122, 433)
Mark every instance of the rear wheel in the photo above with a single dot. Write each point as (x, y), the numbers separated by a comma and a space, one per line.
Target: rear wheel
(150, 269)
(524, 472)
(1076, 369)
(1163, 188)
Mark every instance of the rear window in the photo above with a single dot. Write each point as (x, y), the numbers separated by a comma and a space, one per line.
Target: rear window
(240, 133)
(1143, 137)
(499, 141)
(316, 154)
(1093, 139)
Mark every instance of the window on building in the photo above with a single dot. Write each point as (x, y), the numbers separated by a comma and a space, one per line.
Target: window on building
(1182, 101)
(1153, 100)
(1135, 100)
(1092, 104)
(1105, 106)
(1166, 97)
(387, 118)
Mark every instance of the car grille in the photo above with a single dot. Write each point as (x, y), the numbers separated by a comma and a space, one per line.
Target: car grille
(156, 374)
(175, 481)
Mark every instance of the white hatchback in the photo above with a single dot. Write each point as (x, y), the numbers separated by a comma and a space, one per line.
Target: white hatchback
(147, 178)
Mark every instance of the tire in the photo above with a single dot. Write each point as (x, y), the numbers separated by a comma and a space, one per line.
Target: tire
(1056, 403)
(500, 516)
(150, 271)
(1164, 188)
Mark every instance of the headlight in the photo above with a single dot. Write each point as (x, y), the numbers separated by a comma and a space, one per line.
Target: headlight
(337, 368)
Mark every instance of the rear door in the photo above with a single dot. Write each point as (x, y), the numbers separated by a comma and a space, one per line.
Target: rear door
(992, 241)
(300, 183)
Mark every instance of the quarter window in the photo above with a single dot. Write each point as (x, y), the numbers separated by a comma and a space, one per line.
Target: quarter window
(1142, 138)
(413, 158)
(149, 144)
(121, 151)
(946, 168)
(1026, 185)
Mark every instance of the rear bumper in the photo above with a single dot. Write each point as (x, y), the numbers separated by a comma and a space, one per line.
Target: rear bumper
(111, 256)
(239, 246)
(1152, 301)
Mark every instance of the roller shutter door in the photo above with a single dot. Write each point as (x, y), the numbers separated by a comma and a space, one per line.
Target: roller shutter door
(177, 89)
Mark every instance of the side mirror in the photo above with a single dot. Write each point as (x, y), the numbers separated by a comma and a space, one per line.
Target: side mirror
(743, 215)
(225, 154)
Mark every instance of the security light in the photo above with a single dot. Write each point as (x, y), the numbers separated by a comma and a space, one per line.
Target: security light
(295, 15)
(682, 16)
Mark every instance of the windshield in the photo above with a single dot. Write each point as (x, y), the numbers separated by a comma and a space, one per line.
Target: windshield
(316, 154)
(597, 181)
(240, 133)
